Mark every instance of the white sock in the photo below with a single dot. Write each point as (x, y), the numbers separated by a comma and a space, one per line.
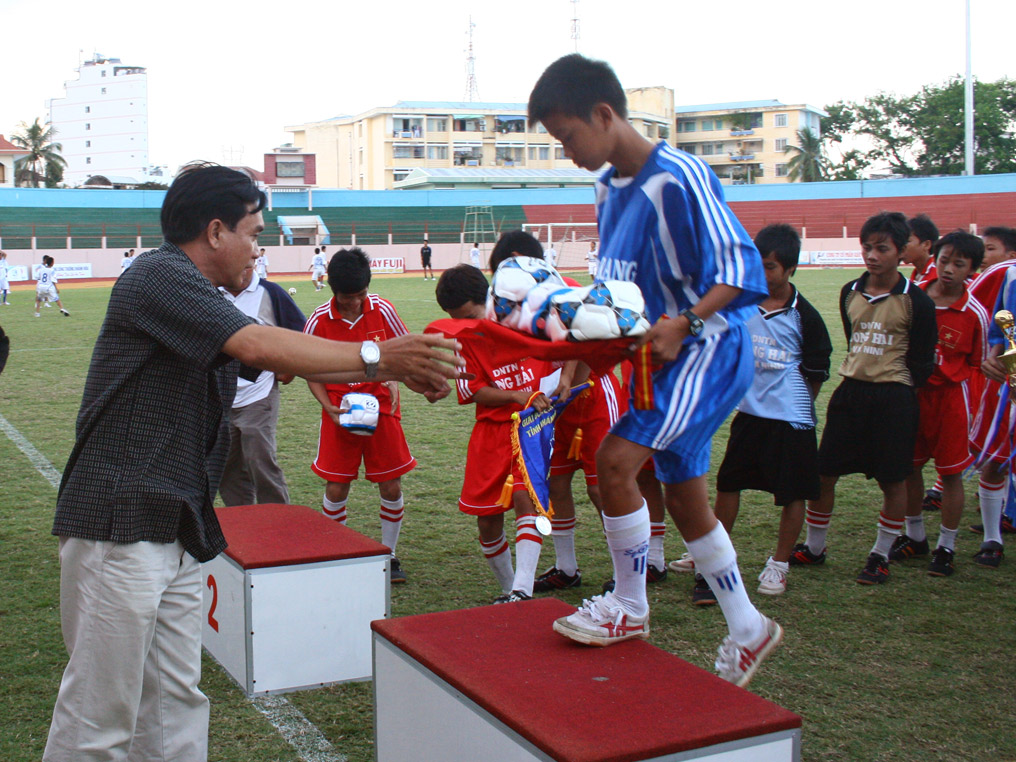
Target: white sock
(947, 538)
(915, 528)
(391, 521)
(563, 533)
(657, 533)
(716, 560)
(528, 542)
(628, 542)
(818, 527)
(992, 498)
(499, 559)
(335, 510)
(888, 530)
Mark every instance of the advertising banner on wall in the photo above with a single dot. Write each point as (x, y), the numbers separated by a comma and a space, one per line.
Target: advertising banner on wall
(835, 258)
(67, 272)
(17, 273)
(388, 265)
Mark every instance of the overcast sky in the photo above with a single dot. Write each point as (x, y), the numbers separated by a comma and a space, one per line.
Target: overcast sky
(226, 78)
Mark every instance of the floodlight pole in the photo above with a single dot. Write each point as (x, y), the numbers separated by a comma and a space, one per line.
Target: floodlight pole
(968, 108)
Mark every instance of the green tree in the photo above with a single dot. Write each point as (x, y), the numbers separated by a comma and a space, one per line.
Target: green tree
(37, 140)
(54, 173)
(808, 163)
(922, 134)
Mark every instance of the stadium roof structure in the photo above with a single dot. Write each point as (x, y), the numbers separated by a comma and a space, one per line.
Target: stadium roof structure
(439, 178)
(739, 106)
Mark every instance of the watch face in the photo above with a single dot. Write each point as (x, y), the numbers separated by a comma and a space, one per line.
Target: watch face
(370, 353)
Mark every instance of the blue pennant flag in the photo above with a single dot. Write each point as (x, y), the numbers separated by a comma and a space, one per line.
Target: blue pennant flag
(533, 443)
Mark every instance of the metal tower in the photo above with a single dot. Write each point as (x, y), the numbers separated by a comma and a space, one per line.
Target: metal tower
(472, 89)
(575, 33)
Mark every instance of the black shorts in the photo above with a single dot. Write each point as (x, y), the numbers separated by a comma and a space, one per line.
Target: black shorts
(771, 456)
(870, 429)
(426, 260)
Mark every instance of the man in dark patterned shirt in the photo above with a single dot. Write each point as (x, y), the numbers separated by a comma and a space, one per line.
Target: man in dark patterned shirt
(134, 514)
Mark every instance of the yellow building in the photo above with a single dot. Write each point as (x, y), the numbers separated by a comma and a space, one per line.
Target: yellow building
(744, 142)
(380, 147)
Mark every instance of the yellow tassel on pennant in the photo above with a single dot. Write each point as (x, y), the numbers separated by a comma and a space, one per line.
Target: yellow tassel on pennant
(505, 501)
(575, 449)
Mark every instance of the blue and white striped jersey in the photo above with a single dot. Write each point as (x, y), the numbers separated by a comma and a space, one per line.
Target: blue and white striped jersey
(670, 231)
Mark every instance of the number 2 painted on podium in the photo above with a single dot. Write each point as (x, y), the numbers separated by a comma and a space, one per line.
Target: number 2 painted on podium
(212, 621)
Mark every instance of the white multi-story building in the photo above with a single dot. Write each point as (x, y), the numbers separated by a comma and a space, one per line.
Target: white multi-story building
(102, 122)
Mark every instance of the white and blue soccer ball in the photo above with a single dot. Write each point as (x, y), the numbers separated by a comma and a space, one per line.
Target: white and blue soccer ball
(519, 290)
(292, 291)
(358, 413)
(609, 310)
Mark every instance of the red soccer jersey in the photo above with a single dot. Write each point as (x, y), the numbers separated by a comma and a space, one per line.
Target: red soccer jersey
(925, 276)
(519, 375)
(378, 322)
(986, 286)
(962, 339)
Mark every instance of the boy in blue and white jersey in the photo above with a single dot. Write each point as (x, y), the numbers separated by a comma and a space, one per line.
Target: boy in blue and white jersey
(317, 269)
(45, 286)
(5, 284)
(773, 446)
(664, 225)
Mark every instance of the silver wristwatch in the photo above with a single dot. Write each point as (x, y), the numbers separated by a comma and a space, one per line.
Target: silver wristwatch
(370, 353)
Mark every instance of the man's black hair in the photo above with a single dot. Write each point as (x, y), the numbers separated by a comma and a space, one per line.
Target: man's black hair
(205, 192)
(572, 86)
(1007, 236)
(514, 242)
(892, 225)
(964, 245)
(349, 271)
(923, 228)
(780, 239)
(459, 285)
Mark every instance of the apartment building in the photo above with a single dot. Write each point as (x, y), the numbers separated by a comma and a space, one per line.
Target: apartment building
(380, 147)
(744, 142)
(102, 121)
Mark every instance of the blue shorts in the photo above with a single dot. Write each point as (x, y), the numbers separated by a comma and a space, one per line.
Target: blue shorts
(692, 398)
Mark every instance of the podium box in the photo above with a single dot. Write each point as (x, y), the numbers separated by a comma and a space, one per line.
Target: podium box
(496, 682)
(289, 603)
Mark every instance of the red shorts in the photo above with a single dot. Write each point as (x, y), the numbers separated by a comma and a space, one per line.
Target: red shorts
(995, 445)
(385, 453)
(488, 463)
(593, 412)
(944, 423)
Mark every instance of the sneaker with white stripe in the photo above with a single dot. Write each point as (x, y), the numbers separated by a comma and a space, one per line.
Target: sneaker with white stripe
(601, 621)
(683, 564)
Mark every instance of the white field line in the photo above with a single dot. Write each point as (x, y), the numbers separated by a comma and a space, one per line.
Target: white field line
(297, 730)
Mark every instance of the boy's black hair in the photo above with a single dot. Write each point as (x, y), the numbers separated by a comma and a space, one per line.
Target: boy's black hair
(47, 260)
(1007, 236)
(514, 242)
(205, 192)
(923, 228)
(572, 86)
(966, 245)
(349, 271)
(892, 225)
(459, 285)
(783, 241)
(317, 249)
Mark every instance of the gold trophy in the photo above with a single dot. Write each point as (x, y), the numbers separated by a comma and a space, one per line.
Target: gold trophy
(1005, 321)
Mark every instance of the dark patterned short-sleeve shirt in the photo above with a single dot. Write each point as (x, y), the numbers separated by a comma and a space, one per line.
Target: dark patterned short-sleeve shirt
(152, 432)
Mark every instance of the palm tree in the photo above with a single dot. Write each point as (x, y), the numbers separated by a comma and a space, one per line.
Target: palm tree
(37, 139)
(809, 163)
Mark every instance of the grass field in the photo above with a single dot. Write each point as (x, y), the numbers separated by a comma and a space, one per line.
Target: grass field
(918, 669)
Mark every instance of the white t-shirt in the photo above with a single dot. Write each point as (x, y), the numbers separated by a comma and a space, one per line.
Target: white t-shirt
(474, 256)
(552, 256)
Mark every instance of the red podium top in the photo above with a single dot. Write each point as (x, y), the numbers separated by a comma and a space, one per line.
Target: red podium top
(631, 701)
(283, 535)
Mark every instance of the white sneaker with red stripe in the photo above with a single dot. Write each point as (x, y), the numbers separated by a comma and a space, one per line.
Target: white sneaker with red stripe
(737, 664)
(601, 621)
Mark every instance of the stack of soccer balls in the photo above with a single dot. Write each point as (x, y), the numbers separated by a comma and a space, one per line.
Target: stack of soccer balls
(529, 295)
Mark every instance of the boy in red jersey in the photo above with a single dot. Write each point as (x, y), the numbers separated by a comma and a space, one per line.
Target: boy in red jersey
(491, 484)
(352, 314)
(944, 413)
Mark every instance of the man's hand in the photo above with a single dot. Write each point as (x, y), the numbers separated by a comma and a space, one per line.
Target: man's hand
(665, 338)
(421, 361)
(994, 369)
(540, 402)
